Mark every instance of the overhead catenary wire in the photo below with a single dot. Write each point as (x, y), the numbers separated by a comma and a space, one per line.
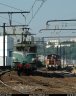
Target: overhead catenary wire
(17, 8)
(10, 6)
(12, 20)
(69, 24)
(13, 8)
(32, 7)
(36, 11)
(33, 15)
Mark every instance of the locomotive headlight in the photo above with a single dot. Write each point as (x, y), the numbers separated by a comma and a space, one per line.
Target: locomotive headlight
(33, 59)
(15, 59)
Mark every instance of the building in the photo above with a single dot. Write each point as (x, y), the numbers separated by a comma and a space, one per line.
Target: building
(8, 50)
(56, 43)
(72, 39)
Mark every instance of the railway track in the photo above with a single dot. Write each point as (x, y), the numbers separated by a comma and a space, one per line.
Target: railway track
(5, 88)
(33, 84)
(40, 83)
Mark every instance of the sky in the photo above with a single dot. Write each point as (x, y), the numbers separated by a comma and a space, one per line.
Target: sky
(50, 10)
